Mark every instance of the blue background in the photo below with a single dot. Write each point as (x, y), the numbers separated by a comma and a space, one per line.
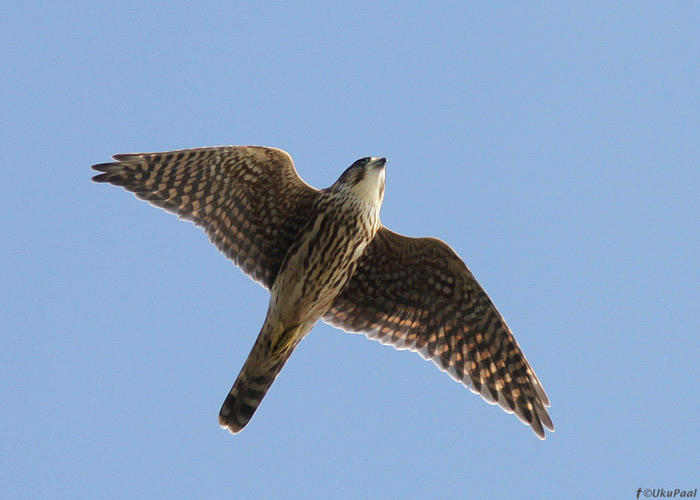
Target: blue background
(555, 146)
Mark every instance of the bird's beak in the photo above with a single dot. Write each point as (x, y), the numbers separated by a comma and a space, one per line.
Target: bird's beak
(378, 162)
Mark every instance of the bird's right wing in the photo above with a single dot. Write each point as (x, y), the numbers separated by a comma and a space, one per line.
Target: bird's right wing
(249, 200)
(417, 294)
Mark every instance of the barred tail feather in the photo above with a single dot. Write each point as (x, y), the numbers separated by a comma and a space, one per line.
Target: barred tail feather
(243, 399)
(264, 363)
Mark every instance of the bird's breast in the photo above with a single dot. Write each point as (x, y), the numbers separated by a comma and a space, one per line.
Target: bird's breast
(320, 263)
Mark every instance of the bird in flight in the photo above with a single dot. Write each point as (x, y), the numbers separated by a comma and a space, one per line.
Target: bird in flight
(324, 255)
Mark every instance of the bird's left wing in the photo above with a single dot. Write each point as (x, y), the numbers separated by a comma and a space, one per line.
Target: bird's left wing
(248, 199)
(417, 294)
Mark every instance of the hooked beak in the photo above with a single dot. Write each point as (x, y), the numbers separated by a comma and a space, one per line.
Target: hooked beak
(377, 162)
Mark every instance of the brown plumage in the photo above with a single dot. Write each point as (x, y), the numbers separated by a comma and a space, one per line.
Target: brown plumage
(324, 254)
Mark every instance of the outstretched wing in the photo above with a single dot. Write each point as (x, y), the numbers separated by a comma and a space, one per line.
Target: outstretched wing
(249, 200)
(417, 294)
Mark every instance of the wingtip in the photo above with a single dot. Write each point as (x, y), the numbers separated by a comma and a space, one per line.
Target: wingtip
(126, 156)
(543, 435)
(539, 426)
(99, 166)
(107, 170)
(100, 178)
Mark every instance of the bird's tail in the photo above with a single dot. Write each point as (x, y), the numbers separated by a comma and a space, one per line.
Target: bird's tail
(269, 354)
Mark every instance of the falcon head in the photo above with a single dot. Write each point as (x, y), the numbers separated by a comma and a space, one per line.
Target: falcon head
(364, 179)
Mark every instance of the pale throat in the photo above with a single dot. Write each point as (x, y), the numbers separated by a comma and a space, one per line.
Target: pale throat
(371, 188)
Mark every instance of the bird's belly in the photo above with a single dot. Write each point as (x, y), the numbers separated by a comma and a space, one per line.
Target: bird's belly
(314, 275)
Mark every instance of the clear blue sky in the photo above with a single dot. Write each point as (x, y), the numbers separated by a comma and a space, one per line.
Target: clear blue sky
(555, 146)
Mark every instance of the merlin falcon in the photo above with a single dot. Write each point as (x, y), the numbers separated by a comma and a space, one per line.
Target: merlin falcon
(324, 255)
